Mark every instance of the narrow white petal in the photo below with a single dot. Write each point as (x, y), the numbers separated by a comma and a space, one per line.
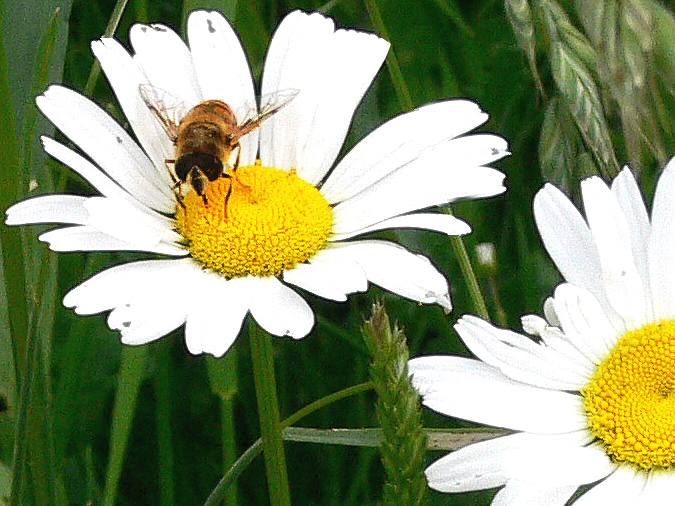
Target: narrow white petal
(611, 235)
(216, 315)
(418, 186)
(437, 222)
(212, 39)
(332, 69)
(48, 209)
(567, 238)
(123, 221)
(329, 275)
(166, 61)
(88, 238)
(396, 269)
(472, 390)
(629, 197)
(621, 488)
(583, 322)
(518, 492)
(392, 145)
(520, 358)
(125, 78)
(280, 310)
(662, 245)
(107, 144)
(659, 488)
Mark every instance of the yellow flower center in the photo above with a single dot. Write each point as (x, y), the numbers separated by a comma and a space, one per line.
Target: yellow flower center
(630, 401)
(271, 221)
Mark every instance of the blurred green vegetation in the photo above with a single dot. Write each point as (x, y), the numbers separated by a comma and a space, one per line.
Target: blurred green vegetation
(576, 87)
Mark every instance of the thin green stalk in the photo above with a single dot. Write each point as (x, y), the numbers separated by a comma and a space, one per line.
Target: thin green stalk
(219, 492)
(268, 412)
(165, 446)
(129, 381)
(405, 99)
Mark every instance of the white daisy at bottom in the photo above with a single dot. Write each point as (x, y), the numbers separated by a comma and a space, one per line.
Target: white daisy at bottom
(278, 220)
(591, 391)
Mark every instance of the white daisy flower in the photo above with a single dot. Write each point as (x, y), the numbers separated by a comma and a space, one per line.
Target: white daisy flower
(593, 396)
(275, 221)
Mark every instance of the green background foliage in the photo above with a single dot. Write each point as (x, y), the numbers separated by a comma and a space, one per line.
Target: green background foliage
(576, 87)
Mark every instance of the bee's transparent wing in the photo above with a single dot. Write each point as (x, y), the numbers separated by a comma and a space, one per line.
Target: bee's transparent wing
(169, 110)
(250, 117)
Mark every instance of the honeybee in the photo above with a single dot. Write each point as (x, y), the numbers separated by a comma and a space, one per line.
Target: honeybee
(206, 135)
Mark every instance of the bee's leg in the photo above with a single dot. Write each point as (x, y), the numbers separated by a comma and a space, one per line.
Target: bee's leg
(227, 195)
(236, 161)
(176, 182)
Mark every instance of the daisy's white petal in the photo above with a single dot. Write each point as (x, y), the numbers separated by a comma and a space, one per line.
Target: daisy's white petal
(212, 39)
(503, 402)
(418, 186)
(629, 197)
(48, 209)
(215, 317)
(128, 223)
(659, 488)
(85, 169)
(553, 213)
(147, 320)
(166, 61)
(393, 145)
(280, 310)
(88, 238)
(125, 77)
(550, 462)
(396, 269)
(621, 488)
(662, 245)
(443, 223)
(518, 492)
(583, 322)
(332, 69)
(520, 358)
(107, 144)
(329, 275)
(612, 239)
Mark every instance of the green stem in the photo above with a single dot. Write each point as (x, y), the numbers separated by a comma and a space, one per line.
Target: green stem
(220, 491)
(165, 447)
(469, 275)
(268, 412)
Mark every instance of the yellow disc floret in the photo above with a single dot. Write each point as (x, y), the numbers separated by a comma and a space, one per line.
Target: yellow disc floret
(268, 221)
(630, 401)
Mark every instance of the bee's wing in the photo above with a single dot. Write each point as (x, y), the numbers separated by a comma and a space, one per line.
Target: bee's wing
(169, 110)
(270, 103)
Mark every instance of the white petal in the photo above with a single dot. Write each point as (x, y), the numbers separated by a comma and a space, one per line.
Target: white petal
(128, 223)
(332, 69)
(107, 144)
(612, 239)
(216, 315)
(583, 322)
(567, 238)
(489, 397)
(662, 245)
(629, 197)
(621, 488)
(396, 269)
(48, 209)
(166, 61)
(280, 310)
(520, 358)
(212, 39)
(329, 275)
(400, 141)
(517, 492)
(437, 222)
(125, 77)
(88, 238)
(659, 488)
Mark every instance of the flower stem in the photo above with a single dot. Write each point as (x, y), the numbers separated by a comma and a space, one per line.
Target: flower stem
(268, 412)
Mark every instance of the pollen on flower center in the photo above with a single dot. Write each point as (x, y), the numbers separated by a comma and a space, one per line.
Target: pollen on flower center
(272, 221)
(630, 401)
